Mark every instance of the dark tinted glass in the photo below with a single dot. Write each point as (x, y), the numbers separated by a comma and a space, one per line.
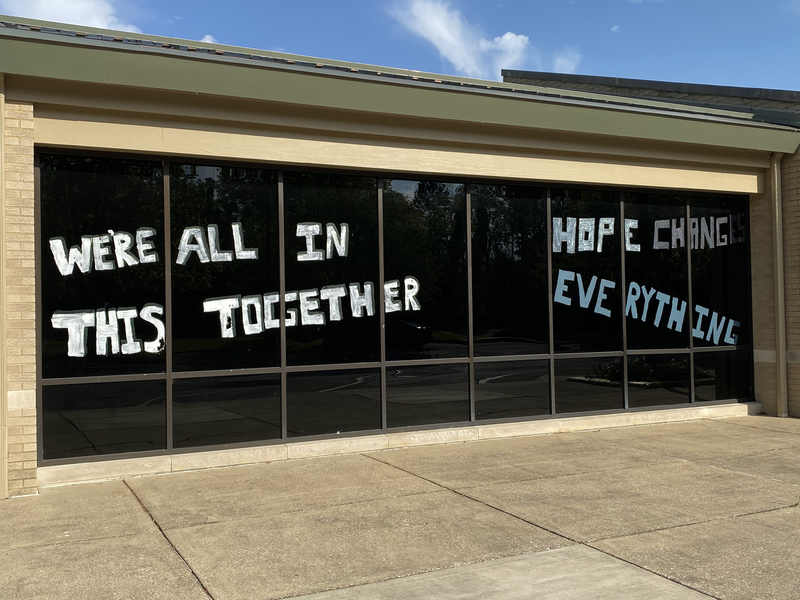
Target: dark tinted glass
(588, 384)
(103, 418)
(722, 375)
(425, 241)
(656, 271)
(102, 236)
(226, 410)
(427, 395)
(512, 389)
(509, 270)
(331, 269)
(658, 379)
(586, 271)
(720, 271)
(333, 401)
(224, 267)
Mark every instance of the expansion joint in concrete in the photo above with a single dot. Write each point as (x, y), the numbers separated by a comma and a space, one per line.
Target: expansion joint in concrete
(588, 543)
(468, 497)
(166, 538)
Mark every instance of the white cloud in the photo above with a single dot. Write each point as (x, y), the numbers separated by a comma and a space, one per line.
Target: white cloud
(566, 60)
(460, 42)
(506, 51)
(91, 13)
(209, 39)
(615, 29)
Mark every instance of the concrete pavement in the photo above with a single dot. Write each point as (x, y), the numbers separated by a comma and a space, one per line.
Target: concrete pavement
(675, 511)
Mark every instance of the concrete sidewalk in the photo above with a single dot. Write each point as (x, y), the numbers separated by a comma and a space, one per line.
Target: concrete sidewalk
(679, 511)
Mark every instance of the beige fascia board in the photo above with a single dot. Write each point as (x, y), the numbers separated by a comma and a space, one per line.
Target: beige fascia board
(71, 101)
(271, 148)
(139, 67)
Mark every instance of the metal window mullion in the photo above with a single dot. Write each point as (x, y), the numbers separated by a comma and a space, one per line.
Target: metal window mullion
(282, 303)
(510, 358)
(382, 303)
(749, 286)
(691, 301)
(104, 379)
(168, 301)
(470, 329)
(551, 354)
(623, 297)
(37, 253)
(427, 362)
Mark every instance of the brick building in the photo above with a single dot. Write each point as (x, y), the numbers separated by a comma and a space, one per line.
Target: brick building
(214, 255)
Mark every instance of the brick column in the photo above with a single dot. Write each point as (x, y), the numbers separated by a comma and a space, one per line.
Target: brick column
(762, 284)
(18, 286)
(790, 174)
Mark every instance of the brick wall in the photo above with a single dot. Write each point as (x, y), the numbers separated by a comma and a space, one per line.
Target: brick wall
(20, 287)
(790, 173)
(761, 256)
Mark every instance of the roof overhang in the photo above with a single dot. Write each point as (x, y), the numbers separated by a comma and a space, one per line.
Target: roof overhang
(57, 52)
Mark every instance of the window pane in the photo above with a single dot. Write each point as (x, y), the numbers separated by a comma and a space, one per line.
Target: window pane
(720, 272)
(102, 252)
(588, 384)
(658, 379)
(224, 267)
(226, 410)
(586, 271)
(722, 375)
(425, 250)
(657, 272)
(333, 401)
(509, 270)
(427, 395)
(512, 389)
(331, 269)
(103, 418)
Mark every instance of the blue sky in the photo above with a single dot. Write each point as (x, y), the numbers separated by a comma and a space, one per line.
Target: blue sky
(736, 42)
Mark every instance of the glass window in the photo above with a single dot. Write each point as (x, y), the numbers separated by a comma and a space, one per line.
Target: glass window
(224, 267)
(720, 271)
(425, 250)
(225, 410)
(722, 375)
(332, 277)
(102, 236)
(509, 270)
(103, 418)
(586, 270)
(656, 271)
(333, 401)
(512, 389)
(585, 384)
(656, 379)
(426, 395)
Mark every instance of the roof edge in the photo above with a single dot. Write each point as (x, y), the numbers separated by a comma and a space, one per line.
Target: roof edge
(666, 86)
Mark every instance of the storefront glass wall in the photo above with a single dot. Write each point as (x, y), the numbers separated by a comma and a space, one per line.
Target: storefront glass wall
(187, 305)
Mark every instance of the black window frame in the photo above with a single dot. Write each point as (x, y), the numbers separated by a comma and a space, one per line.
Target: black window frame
(383, 364)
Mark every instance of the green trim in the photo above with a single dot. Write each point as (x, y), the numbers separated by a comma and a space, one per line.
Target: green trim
(53, 56)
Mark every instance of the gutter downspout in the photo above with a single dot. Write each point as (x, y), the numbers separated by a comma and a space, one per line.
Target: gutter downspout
(780, 290)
